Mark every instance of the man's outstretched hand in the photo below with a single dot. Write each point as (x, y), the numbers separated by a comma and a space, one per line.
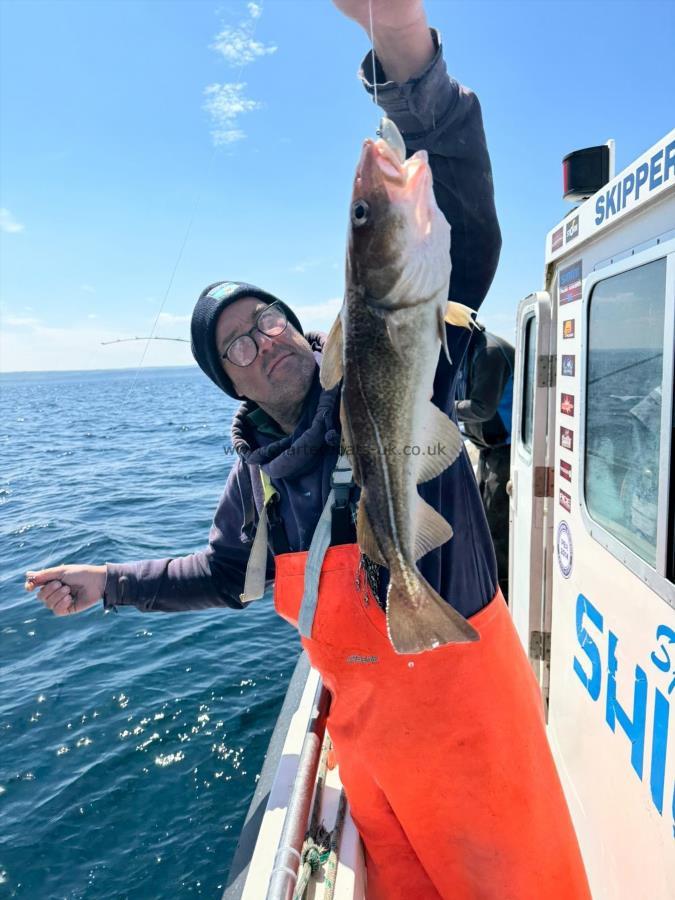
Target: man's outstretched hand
(386, 13)
(68, 589)
(403, 42)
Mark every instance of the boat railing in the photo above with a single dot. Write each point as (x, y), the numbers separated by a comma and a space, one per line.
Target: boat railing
(287, 859)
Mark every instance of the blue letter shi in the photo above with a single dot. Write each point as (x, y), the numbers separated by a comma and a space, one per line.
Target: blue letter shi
(635, 729)
(590, 682)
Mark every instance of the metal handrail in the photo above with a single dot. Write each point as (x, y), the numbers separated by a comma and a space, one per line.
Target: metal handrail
(287, 858)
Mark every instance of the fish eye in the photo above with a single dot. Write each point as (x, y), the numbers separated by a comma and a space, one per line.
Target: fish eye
(360, 212)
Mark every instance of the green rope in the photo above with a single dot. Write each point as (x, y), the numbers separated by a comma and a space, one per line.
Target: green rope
(330, 873)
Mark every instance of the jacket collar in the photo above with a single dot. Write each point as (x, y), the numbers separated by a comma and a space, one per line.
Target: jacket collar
(293, 454)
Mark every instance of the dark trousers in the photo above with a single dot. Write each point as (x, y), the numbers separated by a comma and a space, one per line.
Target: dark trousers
(493, 474)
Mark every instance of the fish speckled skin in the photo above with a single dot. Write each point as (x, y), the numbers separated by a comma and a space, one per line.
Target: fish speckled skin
(386, 407)
(385, 344)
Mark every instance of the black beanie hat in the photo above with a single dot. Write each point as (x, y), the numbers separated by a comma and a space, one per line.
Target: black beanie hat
(212, 301)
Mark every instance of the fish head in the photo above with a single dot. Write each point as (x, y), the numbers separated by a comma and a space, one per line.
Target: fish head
(399, 240)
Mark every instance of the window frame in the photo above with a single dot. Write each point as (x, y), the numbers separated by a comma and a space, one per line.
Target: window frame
(529, 320)
(654, 576)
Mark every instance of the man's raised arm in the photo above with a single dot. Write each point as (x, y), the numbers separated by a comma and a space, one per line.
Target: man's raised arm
(435, 113)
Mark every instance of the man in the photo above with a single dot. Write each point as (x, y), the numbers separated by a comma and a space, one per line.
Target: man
(484, 407)
(443, 755)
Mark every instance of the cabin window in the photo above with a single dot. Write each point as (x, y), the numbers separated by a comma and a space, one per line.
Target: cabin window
(624, 376)
(529, 372)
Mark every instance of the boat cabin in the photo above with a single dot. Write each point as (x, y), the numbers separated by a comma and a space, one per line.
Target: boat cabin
(592, 518)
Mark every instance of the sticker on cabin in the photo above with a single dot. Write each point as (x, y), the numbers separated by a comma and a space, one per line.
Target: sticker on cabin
(564, 548)
(567, 404)
(557, 239)
(566, 470)
(568, 329)
(566, 438)
(565, 500)
(569, 283)
(567, 367)
(572, 229)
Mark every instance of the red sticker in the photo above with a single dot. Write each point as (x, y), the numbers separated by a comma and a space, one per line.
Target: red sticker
(567, 404)
(565, 470)
(567, 438)
(565, 501)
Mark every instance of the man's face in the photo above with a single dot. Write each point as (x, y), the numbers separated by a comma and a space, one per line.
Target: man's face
(281, 374)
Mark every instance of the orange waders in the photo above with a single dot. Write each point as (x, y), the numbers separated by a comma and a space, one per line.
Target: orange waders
(443, 755)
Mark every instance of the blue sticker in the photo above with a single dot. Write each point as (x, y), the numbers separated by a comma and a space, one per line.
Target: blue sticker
(569, 283)
(564, 545)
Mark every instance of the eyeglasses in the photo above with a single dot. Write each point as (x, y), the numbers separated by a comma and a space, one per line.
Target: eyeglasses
(271, 321)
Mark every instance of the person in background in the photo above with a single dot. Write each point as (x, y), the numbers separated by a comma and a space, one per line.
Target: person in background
(484, 406)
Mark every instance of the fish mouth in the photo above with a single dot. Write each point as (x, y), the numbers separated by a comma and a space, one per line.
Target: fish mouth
(380, 172)
(277, 361)
(378, 166)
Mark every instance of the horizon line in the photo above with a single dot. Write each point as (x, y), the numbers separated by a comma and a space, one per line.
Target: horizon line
(105, 369)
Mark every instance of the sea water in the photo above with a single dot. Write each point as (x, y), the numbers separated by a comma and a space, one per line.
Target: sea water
(130, 743)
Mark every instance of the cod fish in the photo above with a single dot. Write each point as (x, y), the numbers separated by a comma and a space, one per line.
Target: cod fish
(385, 345)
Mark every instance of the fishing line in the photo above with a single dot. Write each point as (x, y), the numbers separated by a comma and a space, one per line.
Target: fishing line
(188, 231)
(169, 286)
(372, 52)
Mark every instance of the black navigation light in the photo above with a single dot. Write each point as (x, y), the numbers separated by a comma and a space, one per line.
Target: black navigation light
(585, 172)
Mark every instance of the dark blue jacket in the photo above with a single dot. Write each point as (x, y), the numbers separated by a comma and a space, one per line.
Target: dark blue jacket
(435, 113)
(485, 390)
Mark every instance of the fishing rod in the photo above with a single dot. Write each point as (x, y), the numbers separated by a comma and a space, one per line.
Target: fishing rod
(151, 338)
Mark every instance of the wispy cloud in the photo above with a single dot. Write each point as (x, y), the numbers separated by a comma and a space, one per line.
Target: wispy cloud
(8, 223)
(166, 318)
(305, 264)
(318, 316)
(19, 321)
(225, 103)
(238, 46)
(88, 288)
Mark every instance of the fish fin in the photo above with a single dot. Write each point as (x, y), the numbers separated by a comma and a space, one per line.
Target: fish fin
(442, 334)
(331, 360)
(445, 438)
(432, 529)
(348, 446)
(419, 619)
(393, 333)
(459, 314)
(364, 534)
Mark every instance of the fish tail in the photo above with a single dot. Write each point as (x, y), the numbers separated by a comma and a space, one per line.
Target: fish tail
(419, 619)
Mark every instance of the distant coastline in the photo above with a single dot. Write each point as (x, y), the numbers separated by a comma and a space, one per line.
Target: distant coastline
(132, 369)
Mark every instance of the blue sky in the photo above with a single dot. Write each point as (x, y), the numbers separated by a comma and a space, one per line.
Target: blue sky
(107, 149)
